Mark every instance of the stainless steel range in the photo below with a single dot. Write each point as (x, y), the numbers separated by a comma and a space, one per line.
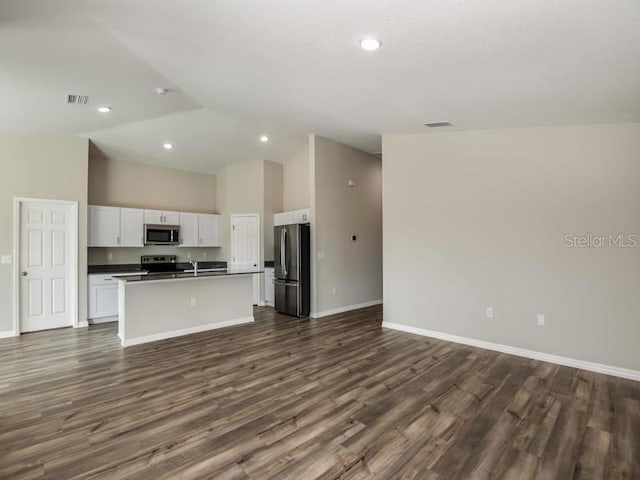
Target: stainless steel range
(157, 264)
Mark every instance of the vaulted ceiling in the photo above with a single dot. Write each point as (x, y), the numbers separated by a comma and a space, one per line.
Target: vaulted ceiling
(237, 69)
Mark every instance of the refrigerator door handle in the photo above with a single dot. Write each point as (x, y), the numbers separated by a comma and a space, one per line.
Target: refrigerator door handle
(284, 259)
(286, 284)
(282, 251)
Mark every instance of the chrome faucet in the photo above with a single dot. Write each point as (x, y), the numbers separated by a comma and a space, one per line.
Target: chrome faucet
(194, 264)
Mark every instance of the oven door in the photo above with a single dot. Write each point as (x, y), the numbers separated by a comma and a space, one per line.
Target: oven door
(161, 235)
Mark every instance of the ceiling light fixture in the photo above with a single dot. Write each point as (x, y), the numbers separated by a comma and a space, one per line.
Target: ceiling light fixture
(370, 44)
(168, 146)
(264, 138)
(104, 109)
(161, 90)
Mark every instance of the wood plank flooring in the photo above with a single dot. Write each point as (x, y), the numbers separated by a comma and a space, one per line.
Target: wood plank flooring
(283, 398)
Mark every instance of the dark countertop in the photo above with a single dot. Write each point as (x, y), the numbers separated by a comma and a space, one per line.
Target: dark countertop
(135, 267)
(187, 276)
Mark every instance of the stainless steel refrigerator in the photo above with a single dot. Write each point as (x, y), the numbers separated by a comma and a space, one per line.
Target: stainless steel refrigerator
(292, 269)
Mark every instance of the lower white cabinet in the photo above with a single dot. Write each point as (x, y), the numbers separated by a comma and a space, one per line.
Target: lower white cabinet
(103, 298)
(269, 294)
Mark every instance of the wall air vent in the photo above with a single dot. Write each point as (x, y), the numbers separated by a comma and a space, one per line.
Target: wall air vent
(78, 99)
(438, 124)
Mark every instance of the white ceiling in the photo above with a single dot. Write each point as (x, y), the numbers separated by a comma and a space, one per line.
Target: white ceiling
(240, 68)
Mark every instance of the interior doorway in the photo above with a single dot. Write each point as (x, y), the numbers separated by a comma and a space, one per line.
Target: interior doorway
(245, 246)
(46, 264)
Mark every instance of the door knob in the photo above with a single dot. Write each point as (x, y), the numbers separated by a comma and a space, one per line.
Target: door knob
(24, 274)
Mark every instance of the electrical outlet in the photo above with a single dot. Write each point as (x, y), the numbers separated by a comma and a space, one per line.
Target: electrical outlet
(320, 255)
(204, 254)
(109, 256)
(540, 320)
(6, 259)
(489, 312)
(194, 301)
(334, 290)
(188, 255)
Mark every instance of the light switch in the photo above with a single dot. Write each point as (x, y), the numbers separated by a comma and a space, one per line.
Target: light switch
(6, 259)
(320, 254)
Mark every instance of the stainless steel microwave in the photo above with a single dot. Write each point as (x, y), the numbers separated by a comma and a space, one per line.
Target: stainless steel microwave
(161, 234)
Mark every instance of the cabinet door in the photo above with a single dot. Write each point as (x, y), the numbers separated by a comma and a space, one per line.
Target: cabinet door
(131, 227)
(301, 216)
(103, 301)
(171, 218)
(189, 229)
(104, 226)
(268, 286)
(208, 230)
(153, 217)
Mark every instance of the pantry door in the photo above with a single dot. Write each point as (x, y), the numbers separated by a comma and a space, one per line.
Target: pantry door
(245, 246)
(47, 262)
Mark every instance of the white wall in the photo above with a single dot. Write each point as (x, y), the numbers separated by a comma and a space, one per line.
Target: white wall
(296, 190)
(339, 211)
(49, 167)
(478, 219)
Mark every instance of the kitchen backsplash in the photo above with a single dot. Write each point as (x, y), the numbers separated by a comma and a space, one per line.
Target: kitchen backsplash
(100, 256)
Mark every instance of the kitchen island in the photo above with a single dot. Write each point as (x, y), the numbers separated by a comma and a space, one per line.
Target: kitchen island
(155, 307)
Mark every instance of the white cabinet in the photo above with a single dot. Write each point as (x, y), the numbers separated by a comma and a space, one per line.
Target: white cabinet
(289, 218)
(269, 293)
(161, 217)
(209, 230)
(131, 227)
(301, 216)
(189, 229)
(104, 226)
(103, 298)
(171, 218)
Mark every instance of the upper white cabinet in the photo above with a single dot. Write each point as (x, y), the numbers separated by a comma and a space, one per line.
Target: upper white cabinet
(124, 227)
(189, 229)
(289, 218)
(104, 226)
(209, 230)
(161, 217)
(131, 227)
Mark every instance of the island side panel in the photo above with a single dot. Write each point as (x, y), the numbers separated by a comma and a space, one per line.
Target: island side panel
(163, 309)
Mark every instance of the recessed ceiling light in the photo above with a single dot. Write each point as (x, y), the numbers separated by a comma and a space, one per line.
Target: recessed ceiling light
(104, 109)
(370, 44)
(167, 146)
(264, 138)
(161, 90)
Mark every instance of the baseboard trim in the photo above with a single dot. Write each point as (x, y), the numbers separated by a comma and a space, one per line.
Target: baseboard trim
(348, 308)
(7, 333)
(184, 331)
(83, 324)
(520, 352)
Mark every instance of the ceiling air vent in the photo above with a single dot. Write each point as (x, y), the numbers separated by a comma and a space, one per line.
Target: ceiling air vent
(78, 99)
(438, 124)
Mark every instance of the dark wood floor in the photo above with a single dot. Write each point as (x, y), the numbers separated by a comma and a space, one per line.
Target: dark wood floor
(283, 398)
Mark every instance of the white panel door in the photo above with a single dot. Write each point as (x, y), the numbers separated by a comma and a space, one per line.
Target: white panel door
(245, 241)
(245, 247)
(189, 230)
(209, 230)
(46, 265)
(171, 218)
(104, 226)
(131, 227)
